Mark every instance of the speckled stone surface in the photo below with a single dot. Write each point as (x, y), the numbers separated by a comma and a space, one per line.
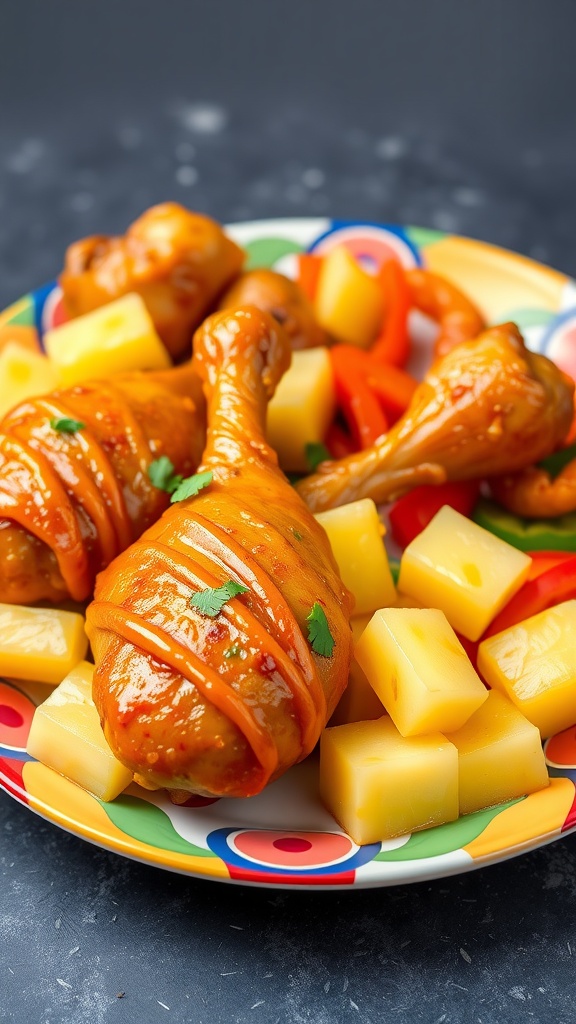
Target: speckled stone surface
(457, 121)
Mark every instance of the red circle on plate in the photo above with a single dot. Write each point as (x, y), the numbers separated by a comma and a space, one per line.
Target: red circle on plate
(292, 849)
(291, 844)
(16, 712)
(10, 717)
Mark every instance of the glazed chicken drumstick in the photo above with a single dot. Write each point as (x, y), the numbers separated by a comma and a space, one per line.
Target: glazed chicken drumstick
(486, 408)
(71, 501)
(204, 680)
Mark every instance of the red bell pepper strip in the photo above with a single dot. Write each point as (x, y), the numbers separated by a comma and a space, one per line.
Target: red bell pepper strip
(309, 267)
(358, 403)
(410, 514)
(393, 343)
(542, 561)
(393, 386)
(551, 588)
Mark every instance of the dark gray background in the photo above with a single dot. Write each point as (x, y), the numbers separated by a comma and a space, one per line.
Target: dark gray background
(450, 115)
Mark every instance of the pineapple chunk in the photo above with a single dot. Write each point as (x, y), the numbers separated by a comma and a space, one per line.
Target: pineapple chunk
(66, 735)
(42, 644)
(379, 785)
(458, 566)
(115, 338)
(23, 374)
(355, 534)
(302, 408)
(500, 755)
(419, 670)
(534, 664)
(349, 303)
(359, 702)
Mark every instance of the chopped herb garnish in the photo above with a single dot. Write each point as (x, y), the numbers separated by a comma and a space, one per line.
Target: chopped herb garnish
(65, 425)
(235, 651)
(319, 635)
(297, 534)
(315, 453)
(191, 486)
(212, 600)
(162, 475)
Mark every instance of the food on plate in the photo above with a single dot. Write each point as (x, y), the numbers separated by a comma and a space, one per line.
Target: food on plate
(536, 494)
(349, 302)
(74, 482)
(457, 317)
(222, 636)
(117, 338)
(464, 570)
(527, 534)
(222, 639)
(301, 409)
(419, 670)
(379, 784)
(534, 664)
(355, 532)
(283, 298)
(178, 261)
(411, 513)
(23, 373)
(371, 395)
(500, 756)
(43, 644)
(67, 736)
(487, 406)
(359, 702)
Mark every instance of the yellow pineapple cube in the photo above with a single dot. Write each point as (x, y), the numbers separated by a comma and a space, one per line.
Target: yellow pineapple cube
(500, 755)
(42, 644)
(460, 567)
(419, 670)
(379, 785)
(349, 302)
(534, 664)
(355, 534)
(66, 735)
(116, 338)
(302, 408)
(23, 374)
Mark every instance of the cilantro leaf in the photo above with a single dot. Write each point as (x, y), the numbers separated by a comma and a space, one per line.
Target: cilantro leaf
(65, 425)
(162, 475)
(191, 486)
(212, 600)
(315, 453)
(319, 635)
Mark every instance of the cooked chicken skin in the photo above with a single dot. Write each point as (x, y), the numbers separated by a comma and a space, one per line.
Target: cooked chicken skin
(283, 299)
(219, 704)
(70, 502)
(178, 261)
(488, 407)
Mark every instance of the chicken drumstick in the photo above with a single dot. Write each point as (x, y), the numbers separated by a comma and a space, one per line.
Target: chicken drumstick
(218, 698)
(488, 407)
(71, 500)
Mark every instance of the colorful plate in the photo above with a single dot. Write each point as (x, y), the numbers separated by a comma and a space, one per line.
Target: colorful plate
(284, 837)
